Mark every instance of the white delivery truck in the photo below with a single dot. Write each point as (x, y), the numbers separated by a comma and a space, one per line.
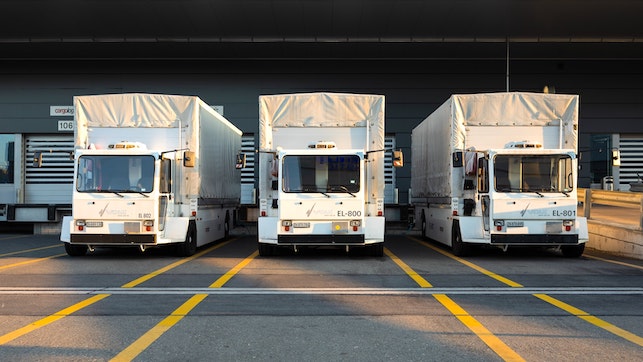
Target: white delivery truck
(151, 170)
(321, 171)
(499, 169)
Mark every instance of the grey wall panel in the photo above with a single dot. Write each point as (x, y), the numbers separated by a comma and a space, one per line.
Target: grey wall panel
(611, 90)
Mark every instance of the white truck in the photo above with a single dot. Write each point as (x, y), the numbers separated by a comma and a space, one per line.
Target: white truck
(321, 171)
(151, 170)
(499, 169)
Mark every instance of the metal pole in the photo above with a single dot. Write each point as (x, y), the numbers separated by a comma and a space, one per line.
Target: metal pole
(507, 64)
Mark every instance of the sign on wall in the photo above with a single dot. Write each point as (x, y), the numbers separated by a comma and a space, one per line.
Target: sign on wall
(61, 111)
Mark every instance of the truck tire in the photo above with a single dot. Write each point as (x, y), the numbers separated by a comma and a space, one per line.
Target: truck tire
(188, 247)
(226, 227)
(458, 247)
(75, 250)
(377, 250)
(265, 249)
(573, 251)
(423, 225)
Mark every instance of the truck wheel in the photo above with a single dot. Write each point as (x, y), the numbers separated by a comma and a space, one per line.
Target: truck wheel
(377, 250)
(226, 227)
(573, 251)
(75, 250)
(188, 247)
(423, 225)
(458, 247)
(265, 249)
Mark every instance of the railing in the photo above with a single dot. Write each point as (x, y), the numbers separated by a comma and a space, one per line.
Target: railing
(623, 205)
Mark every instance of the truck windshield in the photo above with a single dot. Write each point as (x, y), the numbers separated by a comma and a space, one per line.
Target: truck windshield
(103, 173)
(314, 173)
(533, 173)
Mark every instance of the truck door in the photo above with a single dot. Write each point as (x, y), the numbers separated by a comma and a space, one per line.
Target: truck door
(483, 190)
(165, 190)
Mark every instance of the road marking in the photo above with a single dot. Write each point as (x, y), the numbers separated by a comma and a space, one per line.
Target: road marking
(323, 291)
(164, 269)
(155, 333)
(89, 301)
(138, 346)
(496, 344)
(614, 262)
(551, 300)
(32, 261)
(50, 319)
(30, 250)
(482, 270)
(15, 237)
(407, 269)
(591, 319)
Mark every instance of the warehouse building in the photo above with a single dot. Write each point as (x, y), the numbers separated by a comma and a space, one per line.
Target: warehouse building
(416, 53)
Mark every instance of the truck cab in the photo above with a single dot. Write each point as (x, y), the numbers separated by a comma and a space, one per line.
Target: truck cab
(318, 198)
(522, 195)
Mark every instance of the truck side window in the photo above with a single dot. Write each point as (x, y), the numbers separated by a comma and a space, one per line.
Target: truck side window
(483, 175)
(166, 176)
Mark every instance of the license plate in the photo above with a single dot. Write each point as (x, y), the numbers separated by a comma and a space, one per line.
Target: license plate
(132, 227)
(301, 224)
(554, 227)
(515, 224)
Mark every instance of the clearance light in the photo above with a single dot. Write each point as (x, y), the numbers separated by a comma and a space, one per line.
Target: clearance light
(286, 224)
(568, 224)
(263, 212)
(379, 213)
(499, 224)
(193, 213)
(149, 225)
(455, 213)
(80, 224)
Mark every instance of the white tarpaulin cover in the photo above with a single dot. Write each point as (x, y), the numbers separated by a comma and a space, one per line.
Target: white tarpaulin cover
(322, 110)
(514, 116)
(352, 121)
(137, 117)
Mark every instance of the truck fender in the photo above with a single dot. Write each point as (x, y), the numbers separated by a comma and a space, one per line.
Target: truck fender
(65, 230)
(472, 229)
(581, 228)
(176, 228)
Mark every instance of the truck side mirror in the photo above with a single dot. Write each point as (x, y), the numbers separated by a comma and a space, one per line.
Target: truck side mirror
(241, 161)
(398, 159)
(37, 159)
(189, 158)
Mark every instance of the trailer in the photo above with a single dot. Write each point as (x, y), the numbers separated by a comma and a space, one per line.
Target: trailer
(151, 170)
(321, 171)
(499, 169)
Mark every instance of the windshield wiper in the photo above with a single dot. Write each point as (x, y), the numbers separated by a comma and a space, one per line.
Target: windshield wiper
(345, 189)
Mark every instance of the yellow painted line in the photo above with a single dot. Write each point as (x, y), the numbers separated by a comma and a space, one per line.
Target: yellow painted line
(143, 342)
(30, 250)
(15, 237)
(551, 300)
(227, 276)
(591, 319)
(78, 306)
(496, 344)
(482, 270)
(164, 269)
(32, 261)
(408, 270)
(155, 333)
(614, 262)
(50, 319)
